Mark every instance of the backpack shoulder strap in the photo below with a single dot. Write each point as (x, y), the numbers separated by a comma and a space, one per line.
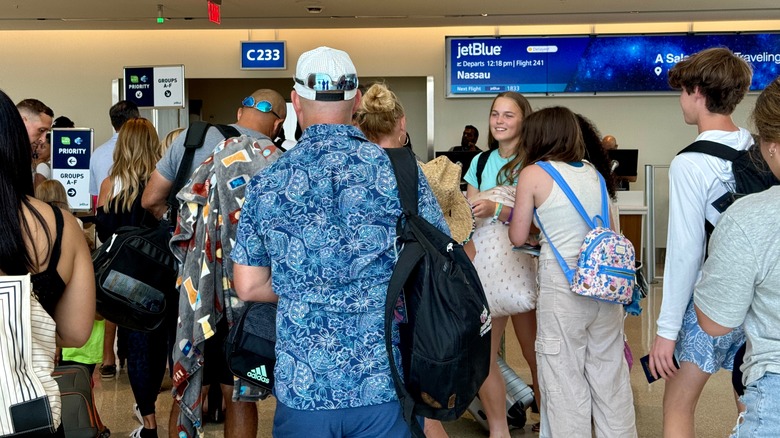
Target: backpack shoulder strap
(556, 176)
(227, 131)
(714, 149)
(196, 135)
(405, 169)
(481, 163)
(547, 167)
(413, 253)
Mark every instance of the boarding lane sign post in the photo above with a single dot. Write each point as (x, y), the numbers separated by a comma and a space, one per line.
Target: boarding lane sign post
(155, 87)
(70, 152)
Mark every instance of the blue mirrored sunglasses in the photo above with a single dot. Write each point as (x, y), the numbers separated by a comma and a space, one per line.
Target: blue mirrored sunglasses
(323, 82)
(263, 106)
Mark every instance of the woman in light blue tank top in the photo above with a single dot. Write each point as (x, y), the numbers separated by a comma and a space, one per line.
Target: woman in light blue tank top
(508, 277)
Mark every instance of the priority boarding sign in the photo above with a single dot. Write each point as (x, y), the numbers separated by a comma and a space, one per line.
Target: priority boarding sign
(155, 87)
(70, 152)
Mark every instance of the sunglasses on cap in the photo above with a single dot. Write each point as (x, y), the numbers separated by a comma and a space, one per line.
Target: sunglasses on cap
(263, 106)
(323, 83)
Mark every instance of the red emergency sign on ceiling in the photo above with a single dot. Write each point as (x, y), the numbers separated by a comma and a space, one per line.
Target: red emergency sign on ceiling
(214, 14)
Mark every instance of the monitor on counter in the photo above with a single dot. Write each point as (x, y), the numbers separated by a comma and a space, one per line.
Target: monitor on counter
(627, 161)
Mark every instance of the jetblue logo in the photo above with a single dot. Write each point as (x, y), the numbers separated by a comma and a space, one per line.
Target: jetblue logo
(258, 374)
(478, 49)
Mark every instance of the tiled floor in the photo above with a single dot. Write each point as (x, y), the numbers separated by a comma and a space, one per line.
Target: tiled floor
(716, 413)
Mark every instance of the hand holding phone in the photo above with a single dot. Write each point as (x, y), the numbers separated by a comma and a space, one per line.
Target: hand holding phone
(645, 361)
(528, 249)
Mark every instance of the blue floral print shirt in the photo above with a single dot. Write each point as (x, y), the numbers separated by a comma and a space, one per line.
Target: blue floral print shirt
(323, 217)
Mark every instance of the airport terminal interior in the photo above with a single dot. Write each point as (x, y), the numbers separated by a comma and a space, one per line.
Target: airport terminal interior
(71, 55)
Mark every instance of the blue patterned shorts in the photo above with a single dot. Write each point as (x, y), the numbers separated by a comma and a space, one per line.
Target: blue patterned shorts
(708, 353)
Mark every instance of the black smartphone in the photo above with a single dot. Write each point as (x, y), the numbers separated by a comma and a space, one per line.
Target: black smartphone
(528, 249)
(645, 361)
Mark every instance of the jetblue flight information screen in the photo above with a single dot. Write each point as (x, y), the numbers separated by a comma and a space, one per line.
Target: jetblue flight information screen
(592, 64)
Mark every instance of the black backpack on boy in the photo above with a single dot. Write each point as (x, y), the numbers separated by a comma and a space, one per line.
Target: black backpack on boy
(444, 317)
(751, 173)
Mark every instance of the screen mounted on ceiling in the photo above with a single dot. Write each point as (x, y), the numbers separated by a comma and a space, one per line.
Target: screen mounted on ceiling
(592, 64)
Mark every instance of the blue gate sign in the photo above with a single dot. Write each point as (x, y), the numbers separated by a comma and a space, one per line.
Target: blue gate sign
(263, 55)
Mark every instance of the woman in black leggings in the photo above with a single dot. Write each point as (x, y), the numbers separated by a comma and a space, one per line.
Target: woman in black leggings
(119, 204)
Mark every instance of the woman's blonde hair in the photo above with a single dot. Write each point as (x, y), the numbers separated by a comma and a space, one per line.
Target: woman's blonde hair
(52, 192)
(379, 112)
(168, 139)
(137, 152)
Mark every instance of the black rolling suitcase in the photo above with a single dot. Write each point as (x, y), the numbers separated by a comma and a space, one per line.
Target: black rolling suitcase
(80, 418)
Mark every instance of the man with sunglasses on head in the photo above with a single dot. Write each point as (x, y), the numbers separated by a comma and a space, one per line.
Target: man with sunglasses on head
(260, 116)
(322, 221)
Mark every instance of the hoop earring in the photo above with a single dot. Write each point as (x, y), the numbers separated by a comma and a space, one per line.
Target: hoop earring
(404, 142)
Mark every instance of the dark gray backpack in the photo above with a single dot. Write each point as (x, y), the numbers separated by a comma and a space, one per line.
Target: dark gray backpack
(445, 329)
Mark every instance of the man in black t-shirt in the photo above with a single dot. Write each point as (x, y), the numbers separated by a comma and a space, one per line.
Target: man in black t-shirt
(468, 142)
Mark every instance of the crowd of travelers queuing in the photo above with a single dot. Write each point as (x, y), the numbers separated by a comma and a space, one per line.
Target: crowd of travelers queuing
(315, 234)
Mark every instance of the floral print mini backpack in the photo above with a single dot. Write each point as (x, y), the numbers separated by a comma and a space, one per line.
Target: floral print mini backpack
(605, 267)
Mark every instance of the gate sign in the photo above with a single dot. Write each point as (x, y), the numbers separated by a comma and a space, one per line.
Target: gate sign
(70, 152)
(263, 55)
(155, 87)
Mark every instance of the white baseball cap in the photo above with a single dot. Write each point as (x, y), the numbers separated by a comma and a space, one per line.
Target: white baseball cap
(326, 74)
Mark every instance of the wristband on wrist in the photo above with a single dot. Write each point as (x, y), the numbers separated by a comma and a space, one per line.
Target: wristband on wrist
(499, 206)
(511, 212)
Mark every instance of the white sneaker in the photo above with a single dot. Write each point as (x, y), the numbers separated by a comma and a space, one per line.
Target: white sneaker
(137, 433)
(137, 413)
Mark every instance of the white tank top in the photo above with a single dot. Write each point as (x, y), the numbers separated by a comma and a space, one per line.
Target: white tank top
(564, 226)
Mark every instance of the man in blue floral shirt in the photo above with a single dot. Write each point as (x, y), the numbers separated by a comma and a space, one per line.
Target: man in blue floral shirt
(317, 234)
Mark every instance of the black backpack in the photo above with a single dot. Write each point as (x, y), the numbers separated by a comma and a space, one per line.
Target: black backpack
(135, 277)
(135, 270)
(445, 339)
(751, 173)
